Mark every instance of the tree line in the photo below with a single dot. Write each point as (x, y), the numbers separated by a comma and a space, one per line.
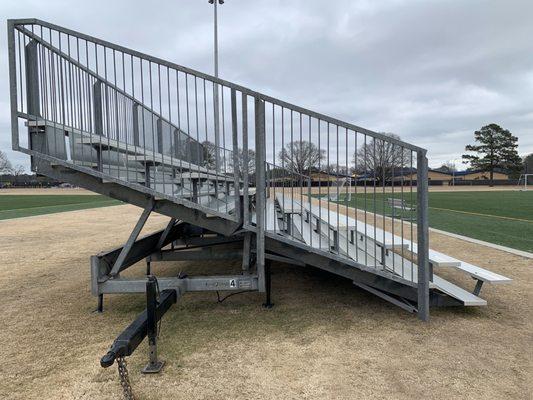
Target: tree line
(494, 149)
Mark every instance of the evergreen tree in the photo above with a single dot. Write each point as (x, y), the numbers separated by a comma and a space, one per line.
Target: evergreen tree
(528, 164)
(495, 148)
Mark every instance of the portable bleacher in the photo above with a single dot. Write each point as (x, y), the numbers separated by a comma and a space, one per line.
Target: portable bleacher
(231, 168)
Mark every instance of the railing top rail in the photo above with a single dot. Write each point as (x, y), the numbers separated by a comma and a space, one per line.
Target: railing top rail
(244, 90)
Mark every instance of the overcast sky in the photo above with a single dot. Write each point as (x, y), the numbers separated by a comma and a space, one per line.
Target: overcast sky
(430, 71)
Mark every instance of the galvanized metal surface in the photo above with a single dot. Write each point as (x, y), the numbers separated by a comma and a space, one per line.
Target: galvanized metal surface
(135, 127)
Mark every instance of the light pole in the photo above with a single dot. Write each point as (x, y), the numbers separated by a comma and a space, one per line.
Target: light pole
(215, 86)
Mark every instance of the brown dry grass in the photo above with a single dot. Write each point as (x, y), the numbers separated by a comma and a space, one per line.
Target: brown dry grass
(37, 191)
(323, 339)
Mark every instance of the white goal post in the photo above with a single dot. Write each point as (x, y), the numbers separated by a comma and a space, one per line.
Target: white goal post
(524, 181)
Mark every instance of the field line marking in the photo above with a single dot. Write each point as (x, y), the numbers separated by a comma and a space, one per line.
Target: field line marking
(482, 215)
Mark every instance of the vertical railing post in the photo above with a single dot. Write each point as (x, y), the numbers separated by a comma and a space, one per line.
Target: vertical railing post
(159, 135)
(245, 179)
(260, 201)
(98, 120)
(135, 117)
(32, 91)
(97, 104)
(32, 79)
(236, 155)
(424, 273)
(13, 84)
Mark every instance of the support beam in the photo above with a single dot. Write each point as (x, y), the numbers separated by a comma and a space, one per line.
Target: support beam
(268, 284)
(32, 79)
(196, 254)
(236, 155)
(245, 178)
(133, 237)
(424, 275)
(407, 307)
(13, 101)
(246, 252)
(189, 284)
(97, 108)
(164, 235)
(260, 200)
(477, 289)
(135, 123)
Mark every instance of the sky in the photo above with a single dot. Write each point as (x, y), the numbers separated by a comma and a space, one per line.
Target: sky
(431, 72)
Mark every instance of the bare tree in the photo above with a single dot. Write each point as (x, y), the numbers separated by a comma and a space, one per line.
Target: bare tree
(5, 164)
(17, 171)
(339, 169)
(448, 167)
(242, 165)
(209, 154)
(301, 156)
(381, 158)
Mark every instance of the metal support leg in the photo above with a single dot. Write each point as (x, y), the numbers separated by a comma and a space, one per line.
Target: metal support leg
(147, 175)
(477, 289)
(268, 284)
(154, 365)
(260, 200)
(195, 191)
(100, 306)
(148, 266)
(424, 271)
(246, 252)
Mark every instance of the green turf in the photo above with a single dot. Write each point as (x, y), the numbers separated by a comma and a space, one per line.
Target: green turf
(448, 211)
(17, 206)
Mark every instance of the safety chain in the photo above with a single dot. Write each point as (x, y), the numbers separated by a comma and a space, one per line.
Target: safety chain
(124, 378)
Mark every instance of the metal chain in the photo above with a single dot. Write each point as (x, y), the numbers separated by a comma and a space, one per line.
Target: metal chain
(124, 378)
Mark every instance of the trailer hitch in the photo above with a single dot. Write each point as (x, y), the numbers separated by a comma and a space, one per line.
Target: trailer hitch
(145, 324)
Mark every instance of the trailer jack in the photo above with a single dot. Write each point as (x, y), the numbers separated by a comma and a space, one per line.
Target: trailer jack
(145, 324)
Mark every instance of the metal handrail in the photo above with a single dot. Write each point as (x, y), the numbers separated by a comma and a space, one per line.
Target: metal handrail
(243, 89)
(272, 134)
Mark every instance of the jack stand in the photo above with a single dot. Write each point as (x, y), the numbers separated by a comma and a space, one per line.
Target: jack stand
(154, 365)
(268, 285)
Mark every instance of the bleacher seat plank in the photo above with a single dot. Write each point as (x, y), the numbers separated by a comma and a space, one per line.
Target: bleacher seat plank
(482, 274)
(468, 299)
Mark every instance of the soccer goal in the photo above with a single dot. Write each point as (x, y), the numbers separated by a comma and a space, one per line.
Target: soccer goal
(339, 188)
(525, 182)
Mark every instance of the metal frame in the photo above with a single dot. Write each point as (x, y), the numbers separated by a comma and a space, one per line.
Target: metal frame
(13, 22)
(258, 245)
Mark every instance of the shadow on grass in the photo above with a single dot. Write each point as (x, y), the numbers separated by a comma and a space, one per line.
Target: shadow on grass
(308, 304)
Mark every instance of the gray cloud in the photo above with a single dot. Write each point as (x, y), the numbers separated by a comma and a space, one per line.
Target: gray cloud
(430, 71)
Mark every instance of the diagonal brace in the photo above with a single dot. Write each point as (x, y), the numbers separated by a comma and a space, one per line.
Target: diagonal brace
(384, 296)
(133, 237)
(165, 233)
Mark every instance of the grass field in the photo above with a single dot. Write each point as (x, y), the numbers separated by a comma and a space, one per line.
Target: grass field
(324, 339)
(17, 206)
(504, 217)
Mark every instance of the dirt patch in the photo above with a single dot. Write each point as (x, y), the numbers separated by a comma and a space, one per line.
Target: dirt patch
(323, 339)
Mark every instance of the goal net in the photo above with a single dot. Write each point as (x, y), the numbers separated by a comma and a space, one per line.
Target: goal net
(525, 182)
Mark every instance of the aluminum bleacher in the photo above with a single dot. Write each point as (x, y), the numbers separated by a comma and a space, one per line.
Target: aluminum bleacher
(229, 166)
